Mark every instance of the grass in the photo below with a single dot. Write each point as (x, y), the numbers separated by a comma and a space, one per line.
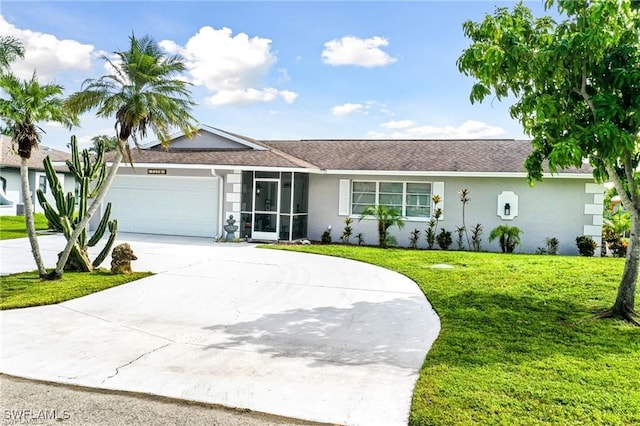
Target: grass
(518, 345)
(27, 289)
(15, 227)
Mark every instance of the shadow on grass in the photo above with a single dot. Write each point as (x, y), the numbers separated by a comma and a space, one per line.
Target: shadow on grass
(482, 328)
(396, 332)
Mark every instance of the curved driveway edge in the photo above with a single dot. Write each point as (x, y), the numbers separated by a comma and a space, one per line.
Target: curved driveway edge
(298, 335)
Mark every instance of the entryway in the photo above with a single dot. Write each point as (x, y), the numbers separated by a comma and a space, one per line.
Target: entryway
(274, 205)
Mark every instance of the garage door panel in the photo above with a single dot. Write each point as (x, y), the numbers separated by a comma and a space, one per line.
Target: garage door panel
(166, 205)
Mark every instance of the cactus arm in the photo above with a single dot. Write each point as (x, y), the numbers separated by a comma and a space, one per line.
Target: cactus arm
(51, 215)
(99, 161)
(74, 164)
(51, 173)
(82, 209)
(113, 228)
(102, 227)
(86, 161)
(71, 204)
(102, 174)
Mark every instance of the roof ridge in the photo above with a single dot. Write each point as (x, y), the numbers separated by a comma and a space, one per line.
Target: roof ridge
(293, 159)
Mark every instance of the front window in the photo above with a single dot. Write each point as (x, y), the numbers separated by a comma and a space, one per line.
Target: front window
(413, 199)
(42, 184)
(364, 195)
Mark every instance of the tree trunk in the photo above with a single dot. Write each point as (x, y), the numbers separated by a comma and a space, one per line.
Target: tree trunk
(28, 215)
(64, 256)
(624, 305)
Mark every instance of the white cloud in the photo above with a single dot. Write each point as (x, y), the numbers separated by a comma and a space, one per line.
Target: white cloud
(346, 109)
(350, 50)
(470, 129)
(398, 124)
(233, 67)
(47, 54)
(250, 96)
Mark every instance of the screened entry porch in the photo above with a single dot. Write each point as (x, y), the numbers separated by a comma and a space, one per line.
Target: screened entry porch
(274, 205)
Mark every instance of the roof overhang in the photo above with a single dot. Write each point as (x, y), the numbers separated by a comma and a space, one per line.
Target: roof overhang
(216, 167)
(455, 174)
(425, 173)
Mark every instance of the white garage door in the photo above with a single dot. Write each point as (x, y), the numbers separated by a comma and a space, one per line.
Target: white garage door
(165, 205)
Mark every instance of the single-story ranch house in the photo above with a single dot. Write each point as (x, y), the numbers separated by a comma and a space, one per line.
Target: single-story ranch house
(289, 190)
(11, 201)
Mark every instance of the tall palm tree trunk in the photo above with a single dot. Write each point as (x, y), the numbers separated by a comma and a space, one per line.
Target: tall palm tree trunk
(28, 215)
(64, 256)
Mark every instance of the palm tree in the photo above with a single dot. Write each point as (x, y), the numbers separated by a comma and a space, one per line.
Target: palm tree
(110, 143)
(143, 92)
(27, 103)
(509, 237)
(386, 217)
(10, 49)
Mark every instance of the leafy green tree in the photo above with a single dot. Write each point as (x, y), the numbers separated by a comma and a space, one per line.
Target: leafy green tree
(386, 217)
(110, 143)
(575, 84)
(25, 104)
(508, 237)
(143, 93)
(10, 49)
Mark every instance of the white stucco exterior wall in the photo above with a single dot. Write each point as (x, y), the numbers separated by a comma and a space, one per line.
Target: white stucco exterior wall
(555, 207)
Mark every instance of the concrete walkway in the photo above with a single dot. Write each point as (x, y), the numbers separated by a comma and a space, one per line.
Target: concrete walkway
(297, 335)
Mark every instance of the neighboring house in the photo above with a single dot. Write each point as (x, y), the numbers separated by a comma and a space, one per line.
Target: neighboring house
(288, 190)
(10, 175)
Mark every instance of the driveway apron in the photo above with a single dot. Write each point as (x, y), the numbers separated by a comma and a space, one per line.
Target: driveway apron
(292, 334)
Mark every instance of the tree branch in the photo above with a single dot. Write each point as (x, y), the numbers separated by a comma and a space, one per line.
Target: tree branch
(629, 173)
(582, 91)
(627, 202)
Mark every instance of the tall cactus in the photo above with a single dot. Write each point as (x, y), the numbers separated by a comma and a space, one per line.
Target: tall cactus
(90, 173)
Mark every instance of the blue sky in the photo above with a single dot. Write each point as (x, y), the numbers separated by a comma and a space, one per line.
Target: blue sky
(279, 70)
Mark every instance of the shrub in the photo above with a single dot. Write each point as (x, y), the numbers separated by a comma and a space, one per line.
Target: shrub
(619, 247)
(460, 231)
(444, 239)
(413, 238)
(551, 248)
(586, 245)
(613, 240)
(430, 232)
(348, 230)
(360, 238)
(552, 245)
(464, 199)
(508, 236)
(476, 238)
(386, 217)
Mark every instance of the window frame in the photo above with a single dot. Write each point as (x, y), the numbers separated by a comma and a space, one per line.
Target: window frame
(404, 206)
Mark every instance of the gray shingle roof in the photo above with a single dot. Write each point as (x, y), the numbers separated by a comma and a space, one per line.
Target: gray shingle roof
(419, 155)
(230, 157)
(10, 159)
(437, 155)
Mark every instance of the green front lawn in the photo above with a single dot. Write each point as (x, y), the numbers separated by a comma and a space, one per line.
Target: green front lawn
(27, 289)
(518, 345)
(15, 226)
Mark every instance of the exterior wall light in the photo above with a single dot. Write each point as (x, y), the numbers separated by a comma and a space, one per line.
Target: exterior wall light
(507, 205)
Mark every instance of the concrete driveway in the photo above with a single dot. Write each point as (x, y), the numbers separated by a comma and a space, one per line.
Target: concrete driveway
(297, 335)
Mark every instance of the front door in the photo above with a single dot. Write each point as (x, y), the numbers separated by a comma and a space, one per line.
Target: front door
(265, 209)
